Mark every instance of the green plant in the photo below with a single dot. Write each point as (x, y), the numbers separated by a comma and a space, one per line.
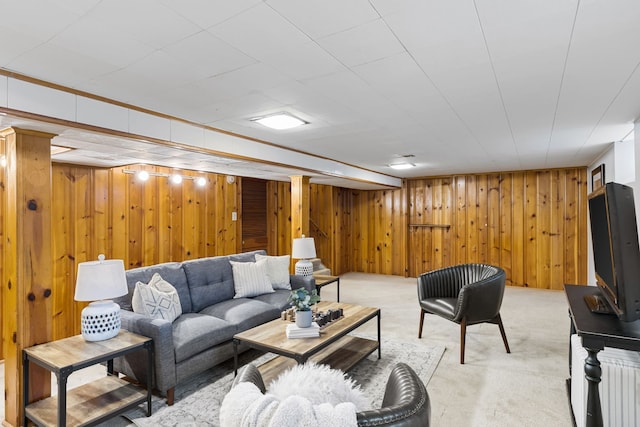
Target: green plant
(302, 300)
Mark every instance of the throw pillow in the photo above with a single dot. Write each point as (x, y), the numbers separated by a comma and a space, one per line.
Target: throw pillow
(158, 299)
(277, 270)
(320, 384)
(250, 279)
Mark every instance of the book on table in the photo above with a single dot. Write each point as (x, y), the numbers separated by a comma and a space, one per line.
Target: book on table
(294, 331)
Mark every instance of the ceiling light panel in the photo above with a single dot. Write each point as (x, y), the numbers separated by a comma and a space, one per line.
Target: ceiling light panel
(280, 121)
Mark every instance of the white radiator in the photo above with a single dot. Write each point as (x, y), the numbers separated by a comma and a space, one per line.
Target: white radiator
(619, 388)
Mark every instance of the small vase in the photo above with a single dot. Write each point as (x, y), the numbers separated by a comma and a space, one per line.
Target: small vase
(303, 318)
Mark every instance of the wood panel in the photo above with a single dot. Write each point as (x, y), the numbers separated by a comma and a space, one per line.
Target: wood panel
(144, 223)
(254, 214)
(531, 223)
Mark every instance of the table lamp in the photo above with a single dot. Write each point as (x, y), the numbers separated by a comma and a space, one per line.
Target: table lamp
(303, 249)
(99, 281)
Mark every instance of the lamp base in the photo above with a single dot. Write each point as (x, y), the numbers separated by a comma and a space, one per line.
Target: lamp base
(100, 320)
(304, 267)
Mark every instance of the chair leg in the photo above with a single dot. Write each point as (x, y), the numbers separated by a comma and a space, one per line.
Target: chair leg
(504, 336)
(463, 333)
(421, 322)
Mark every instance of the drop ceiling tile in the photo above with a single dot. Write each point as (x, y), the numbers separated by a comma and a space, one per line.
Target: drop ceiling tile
(304, 61)
(365, 43)
(319, 18)
(206, 13)
(145, 21)
(269, 33)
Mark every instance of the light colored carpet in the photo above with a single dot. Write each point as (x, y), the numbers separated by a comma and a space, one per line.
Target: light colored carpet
(524, 388)
(198, 400)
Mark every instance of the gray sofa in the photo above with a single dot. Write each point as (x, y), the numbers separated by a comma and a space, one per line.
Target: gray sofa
(202, 336)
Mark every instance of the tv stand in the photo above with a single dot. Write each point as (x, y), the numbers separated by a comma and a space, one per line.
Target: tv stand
(596, 333)
(598, 304)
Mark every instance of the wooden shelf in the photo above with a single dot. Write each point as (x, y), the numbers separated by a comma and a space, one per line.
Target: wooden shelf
(86, 404)
(344, 354)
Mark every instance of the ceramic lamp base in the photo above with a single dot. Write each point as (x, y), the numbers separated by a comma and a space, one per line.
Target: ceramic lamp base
(304, 267)
(100, 321)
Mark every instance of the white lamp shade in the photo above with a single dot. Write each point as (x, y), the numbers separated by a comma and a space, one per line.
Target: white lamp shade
(303, 248)
(100, 280)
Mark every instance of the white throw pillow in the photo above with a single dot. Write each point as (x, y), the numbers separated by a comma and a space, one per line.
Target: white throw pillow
(320, 384)
(250, 279)
(277, 270)
(158, 299)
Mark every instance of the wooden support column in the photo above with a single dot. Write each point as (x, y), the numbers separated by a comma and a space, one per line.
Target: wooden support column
(300, 206)
(26, 263)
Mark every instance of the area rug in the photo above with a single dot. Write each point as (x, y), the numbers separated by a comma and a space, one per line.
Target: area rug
(197, 401)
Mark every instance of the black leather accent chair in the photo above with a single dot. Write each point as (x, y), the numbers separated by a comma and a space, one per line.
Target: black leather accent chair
(466, 294)
(405, 403)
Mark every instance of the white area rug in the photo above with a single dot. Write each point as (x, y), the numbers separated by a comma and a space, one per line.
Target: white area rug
(197, 401)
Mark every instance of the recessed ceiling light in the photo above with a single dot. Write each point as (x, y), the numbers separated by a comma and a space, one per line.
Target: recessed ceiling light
(400, 166)
(280, 121)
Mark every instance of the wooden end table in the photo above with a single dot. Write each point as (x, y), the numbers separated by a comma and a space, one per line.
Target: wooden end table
(324, 280)
(94, 402)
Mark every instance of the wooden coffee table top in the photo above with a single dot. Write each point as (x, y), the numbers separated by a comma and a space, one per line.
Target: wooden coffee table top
(272, 336)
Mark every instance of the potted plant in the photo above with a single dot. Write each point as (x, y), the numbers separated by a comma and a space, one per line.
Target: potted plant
(301, 300)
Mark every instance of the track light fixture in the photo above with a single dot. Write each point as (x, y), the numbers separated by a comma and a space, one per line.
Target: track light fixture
(175, 178)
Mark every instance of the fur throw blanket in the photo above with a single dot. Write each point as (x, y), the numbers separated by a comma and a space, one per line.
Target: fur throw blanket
(307, 395)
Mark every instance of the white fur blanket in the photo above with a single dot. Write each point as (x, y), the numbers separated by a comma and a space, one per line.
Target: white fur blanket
(246, 406)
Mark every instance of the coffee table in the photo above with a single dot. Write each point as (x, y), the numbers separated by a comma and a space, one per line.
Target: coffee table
(334, 347)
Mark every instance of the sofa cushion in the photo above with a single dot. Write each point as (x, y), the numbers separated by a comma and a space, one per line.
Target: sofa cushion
(243, 313)
(278, 299)
(250, 278)
(172, 272)
(194, 333)
(277, 270)
(247, 256)
(210, 281)
(157, 299)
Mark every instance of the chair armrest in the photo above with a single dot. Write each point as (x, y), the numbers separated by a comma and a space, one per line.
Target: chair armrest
(134, 365)
(405, 403)
(250, 374)
(298, 281)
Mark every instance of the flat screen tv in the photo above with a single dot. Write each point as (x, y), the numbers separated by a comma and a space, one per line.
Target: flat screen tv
(614, 235)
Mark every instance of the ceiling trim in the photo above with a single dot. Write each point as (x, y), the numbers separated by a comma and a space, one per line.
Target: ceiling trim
(376, 178)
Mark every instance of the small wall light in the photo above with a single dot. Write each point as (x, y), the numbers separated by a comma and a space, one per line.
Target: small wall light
(142, 175)
(176, 179)
(201, 181)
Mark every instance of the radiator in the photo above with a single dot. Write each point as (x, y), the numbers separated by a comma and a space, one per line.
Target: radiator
(619, 388)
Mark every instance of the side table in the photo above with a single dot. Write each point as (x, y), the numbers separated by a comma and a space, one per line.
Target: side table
(597, 331)
(96, 401)
(324, 280)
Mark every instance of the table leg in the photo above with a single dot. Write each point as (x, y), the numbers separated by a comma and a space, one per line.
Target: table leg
(150, 368)
(25, 388)
(62, 396)
(593, 374)
(235, 358)
(338, 286)
(379, 342)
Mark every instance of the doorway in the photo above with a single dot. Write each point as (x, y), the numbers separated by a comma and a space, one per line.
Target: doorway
(254, 214)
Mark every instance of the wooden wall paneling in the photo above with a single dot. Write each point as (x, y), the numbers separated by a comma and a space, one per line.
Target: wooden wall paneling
(100, 214)
(531, 228)
(192, 226)
(164, 227)
(556, 232)
(482, 218)
(3, 210)
(518, 229)
(506, 225)
(472, 227)
(150, 218)
(543, 258)
(460, 224)
(575, 227)
(397, 240)
(63, 263)
(136, 222)
(177, 221)
(493, 219)
(119, 211)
